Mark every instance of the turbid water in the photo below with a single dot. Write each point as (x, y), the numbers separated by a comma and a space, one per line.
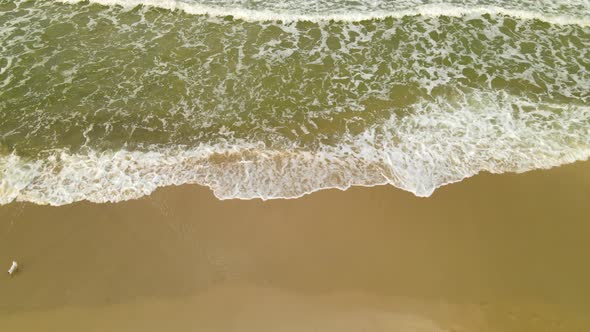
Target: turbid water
(108, 100)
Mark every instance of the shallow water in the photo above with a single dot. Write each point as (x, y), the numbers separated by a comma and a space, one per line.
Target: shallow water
(104, 102)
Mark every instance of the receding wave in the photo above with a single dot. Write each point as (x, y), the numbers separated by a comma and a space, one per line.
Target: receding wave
(576, 12)
(418, 153)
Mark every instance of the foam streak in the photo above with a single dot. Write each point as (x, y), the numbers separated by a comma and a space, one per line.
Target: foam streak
(429, 10)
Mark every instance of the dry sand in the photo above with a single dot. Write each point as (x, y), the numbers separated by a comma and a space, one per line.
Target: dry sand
(493, 253)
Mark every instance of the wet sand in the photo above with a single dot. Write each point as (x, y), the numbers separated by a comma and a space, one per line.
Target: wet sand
(493, 253)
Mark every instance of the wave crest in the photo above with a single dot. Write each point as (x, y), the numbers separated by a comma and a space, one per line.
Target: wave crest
(364, 12)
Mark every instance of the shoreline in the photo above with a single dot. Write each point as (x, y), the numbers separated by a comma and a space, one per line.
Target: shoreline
(491, 253)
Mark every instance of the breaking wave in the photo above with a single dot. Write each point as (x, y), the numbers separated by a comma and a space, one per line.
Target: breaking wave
(574, 12)
(418, 153)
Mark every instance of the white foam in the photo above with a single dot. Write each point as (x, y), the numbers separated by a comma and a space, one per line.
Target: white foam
(420, 152)
(409, 8)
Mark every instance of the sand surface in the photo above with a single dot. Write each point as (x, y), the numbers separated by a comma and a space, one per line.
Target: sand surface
(493, 253)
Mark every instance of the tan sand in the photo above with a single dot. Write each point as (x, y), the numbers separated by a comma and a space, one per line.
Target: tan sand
(493, 253)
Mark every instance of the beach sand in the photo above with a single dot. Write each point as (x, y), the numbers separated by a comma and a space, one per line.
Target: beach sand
(493, 253)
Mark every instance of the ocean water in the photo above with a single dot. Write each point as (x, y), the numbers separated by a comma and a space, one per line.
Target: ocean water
(109, 99)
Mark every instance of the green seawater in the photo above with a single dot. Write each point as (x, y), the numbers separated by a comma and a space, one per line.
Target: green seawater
(416, 101)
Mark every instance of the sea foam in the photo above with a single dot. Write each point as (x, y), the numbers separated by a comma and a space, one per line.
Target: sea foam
(417, 153)
(278, 110)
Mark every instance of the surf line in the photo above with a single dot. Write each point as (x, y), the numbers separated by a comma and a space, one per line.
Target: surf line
(263, 15)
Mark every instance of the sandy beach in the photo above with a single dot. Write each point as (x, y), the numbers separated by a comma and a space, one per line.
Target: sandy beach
(164, 165)
(493, 253)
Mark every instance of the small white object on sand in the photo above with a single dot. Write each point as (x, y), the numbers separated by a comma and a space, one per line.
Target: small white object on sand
(13, 267)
